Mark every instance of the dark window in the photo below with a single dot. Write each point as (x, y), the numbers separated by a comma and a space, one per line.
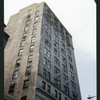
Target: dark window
(66, 98)
(18, 62)
(71, 67)
(66, 90)
(56, 94)
(56, 44)
(43, 85)
(56, 70)
(59, 98)
(48, 12)
(73, 84)
(44, 72)
(56, 37)
(74, 96)
(65, 78)
(56, 61)
(48, 88)
(55, 22)
(15, 74)
(20, 52)
(30, 57)
(27, 22)
(57, 82)
(48, 75)
(70, 59)
(12, 87)
(24, 98)
(26, 84)
(28, 70)
(69, 52)
(63, 45)
(64, 68)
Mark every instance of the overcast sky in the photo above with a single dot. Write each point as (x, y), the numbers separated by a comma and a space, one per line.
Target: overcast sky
(79, 18)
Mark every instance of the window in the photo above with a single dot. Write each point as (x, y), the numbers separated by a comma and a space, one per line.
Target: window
(31, 48)
(71, 67)
(64, 60)
(22, 43)
(63, 45)
(34, 33)
(71, 75)
(65, 78)
(30, 57)
(56, 93)
(20, 52)
(47, 62)
(36, 19)
(66, 89)
(61, 28)
(18, 62)
(12, 87)
(59, 98)
(73, 84)
(48, 88)
(66, 98)
(56, 44)
(56, 52)
(63, 52)
(44, 72)
(15, 74)
(49, 76)
(24, 98)
(56, 61)
(33, 39)
(30, 11)
(64, 68)
(47, 52)
(56, 70)
(48, 12)
(26, 28)
(47, 43)
(70, 59)
(36, 13)
(56, 35)
(28, 70)
(55, 22)
(69, 52)
(57, 82)
(27, 22)
(24, 35)
(74, 96)
(26, 84)
(28, 17)
(43, 85)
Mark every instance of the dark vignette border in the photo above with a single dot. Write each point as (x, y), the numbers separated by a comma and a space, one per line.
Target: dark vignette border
(1, 50)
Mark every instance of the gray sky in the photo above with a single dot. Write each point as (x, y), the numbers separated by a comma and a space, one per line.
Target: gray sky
(79, 18)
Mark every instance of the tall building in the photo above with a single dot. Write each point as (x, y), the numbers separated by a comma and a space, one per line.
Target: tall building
(39, 57)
